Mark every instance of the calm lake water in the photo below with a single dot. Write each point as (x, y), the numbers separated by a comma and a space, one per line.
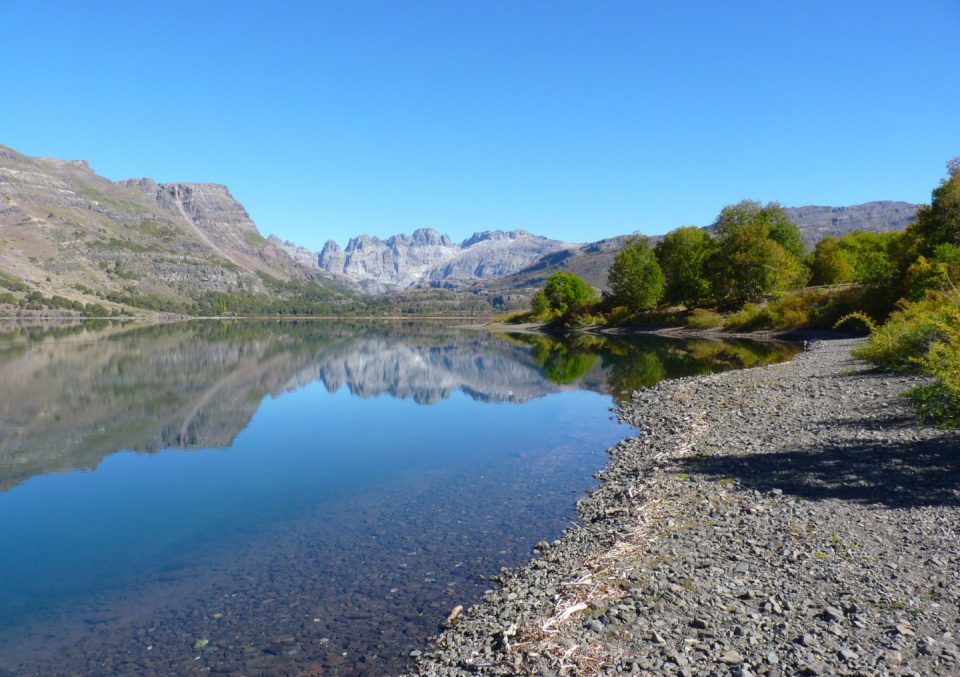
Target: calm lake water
(289, 498)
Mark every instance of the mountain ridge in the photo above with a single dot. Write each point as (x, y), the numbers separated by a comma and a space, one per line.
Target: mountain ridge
(378, 261)
(427, 258)
(66, 231)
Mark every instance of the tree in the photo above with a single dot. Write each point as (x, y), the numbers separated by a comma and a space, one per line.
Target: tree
(565, 290)
(635, 278)
(759, 251)
(771, 217)
(939, 222)
(682, 255)
(539, 304)
(830, 263)
(872, 255)
(748, 264)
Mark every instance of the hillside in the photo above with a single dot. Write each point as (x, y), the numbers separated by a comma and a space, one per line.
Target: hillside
(817, 222)
(70, 237)
(67, 232)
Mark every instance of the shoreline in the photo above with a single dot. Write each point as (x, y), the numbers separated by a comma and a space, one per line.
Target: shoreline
(470, 322)
(679, 332)
(781, 520)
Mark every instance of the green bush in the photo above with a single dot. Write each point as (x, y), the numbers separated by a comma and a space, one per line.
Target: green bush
(936, 403)
(830, 264)
(539, 306)
(564, 290)
(903, 342)
(702, 318)
(809, 309)
(746, 318)
(940, 402)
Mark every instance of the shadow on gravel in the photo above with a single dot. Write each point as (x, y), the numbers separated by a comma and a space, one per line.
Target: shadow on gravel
(895, 475)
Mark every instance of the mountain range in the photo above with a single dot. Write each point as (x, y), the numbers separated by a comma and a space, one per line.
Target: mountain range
(66, 231)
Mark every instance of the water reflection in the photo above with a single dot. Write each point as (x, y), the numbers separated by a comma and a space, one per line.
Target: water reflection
(628, 364)
(321, 521)
(72, 395)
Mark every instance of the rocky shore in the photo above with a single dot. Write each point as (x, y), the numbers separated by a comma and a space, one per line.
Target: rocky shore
(790, 519)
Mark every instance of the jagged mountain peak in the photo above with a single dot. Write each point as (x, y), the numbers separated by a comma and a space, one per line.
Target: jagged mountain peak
(496, 236)
(427, 258)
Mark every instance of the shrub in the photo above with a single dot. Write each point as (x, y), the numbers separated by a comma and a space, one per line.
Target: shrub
(11, 283)
(701, 318)
(746, 318)
(902, 344)
(936, 403)
(564, 290)
(619, 315)
(539, 305)
(857, 318)
(941, 401)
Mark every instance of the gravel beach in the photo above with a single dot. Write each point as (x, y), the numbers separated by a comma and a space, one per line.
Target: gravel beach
(790, 519)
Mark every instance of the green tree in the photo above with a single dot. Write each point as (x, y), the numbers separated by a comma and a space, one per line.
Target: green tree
(682, 255)
(635, 278)
(539, 304)
(830, 263)
(748, 264)
(872, 255)
(771, 217)
(566, 290)
(939, 222)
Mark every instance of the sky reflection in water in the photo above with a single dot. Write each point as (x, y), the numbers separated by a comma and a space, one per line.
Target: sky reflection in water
(236, 481)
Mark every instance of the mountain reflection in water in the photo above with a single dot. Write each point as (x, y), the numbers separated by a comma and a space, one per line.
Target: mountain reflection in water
(73, 396)
(289, 505)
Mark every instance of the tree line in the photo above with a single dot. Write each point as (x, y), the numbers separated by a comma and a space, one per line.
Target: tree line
(751, 270)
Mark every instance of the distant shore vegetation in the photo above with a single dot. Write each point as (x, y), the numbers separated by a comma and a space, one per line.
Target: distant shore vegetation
(750, 271)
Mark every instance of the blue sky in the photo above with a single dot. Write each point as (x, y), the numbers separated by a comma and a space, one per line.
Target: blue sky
(578, 120)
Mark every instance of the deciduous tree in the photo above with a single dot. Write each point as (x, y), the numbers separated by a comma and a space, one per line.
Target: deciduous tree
(682, 255)
(635, 278)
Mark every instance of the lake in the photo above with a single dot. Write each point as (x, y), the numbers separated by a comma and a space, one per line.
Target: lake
(290, 497)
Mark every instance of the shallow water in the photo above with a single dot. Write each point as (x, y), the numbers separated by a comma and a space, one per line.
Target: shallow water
(289, 498)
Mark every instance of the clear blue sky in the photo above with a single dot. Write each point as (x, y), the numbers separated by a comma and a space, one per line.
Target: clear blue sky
(576, 120)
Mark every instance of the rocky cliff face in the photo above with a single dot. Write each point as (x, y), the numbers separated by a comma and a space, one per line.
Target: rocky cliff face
(817, 222)
(301, 255)
(428, 259)
(65, 230)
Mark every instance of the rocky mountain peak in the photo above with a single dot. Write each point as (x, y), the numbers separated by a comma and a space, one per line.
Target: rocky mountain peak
(301, 255)
(427, 258)
(495, 236)
(429, 236)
